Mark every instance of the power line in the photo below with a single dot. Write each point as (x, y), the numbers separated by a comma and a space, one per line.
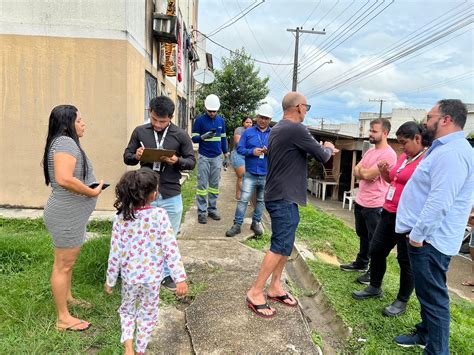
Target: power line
(448, 29)
(328, 47)
(416, 55)
(239, 54)
(463, 76)
(350, 17)
(397, 45)
(237, 17)
(263, 52)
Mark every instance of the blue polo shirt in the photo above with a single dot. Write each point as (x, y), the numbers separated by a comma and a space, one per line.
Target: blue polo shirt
(436, 201)
(254, 138)
(211, 147)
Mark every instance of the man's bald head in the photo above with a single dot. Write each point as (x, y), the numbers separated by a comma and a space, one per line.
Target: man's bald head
(292, 99)
(294, 106)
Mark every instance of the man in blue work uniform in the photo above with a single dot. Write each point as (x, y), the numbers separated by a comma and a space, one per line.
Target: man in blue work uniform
(210, 132)
(253, 145)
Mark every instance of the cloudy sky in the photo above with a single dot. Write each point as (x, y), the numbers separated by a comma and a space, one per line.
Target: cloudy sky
(408, 53)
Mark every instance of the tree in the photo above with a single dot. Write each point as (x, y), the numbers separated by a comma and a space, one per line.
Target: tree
(239, 88)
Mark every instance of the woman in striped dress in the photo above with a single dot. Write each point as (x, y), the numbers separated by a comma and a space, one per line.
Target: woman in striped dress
(69, 172)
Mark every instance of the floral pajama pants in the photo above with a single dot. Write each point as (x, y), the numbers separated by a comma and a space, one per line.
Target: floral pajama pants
(139, 308)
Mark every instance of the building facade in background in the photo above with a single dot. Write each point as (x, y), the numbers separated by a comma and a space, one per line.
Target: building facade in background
(105, 57)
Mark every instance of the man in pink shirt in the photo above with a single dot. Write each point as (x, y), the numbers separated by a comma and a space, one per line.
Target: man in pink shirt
(371, 196)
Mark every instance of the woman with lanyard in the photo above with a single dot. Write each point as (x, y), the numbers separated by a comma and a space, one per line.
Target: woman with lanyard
(409, 135)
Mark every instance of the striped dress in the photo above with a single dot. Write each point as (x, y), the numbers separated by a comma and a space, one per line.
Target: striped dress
(66, 213)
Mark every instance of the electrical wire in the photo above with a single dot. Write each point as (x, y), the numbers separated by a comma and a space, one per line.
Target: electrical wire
(463, 76)
(448, 29)
(328, 48)
(238, 54)
(433, 24)
(416, 55)
(236, 18)
(354, 14)
(263, 52)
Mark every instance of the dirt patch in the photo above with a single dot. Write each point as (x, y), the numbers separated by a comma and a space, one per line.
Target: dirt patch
(328, 259)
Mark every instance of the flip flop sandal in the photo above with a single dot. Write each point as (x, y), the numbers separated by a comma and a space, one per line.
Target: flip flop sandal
(282, 300)
(80, 303)
(72, 327)
(255, 307)
(467, 283)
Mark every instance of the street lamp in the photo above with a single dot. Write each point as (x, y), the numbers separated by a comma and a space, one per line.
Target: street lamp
(329, 62)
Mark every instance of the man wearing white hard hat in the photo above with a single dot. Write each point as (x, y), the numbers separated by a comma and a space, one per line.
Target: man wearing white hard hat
(253, 145)
(210, 132)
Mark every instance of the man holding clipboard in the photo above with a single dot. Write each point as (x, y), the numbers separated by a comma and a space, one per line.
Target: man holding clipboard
(167, 149)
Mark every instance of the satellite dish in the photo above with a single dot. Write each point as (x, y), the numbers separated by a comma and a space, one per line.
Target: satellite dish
(203, 76)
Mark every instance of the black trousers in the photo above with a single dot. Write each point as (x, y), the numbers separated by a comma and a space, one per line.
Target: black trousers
(383, 241)
(366, 220)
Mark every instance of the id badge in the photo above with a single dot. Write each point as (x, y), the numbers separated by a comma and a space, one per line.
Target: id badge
(390, 193)
(156, 166)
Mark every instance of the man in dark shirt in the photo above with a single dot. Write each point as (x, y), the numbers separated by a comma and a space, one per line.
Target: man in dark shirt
(285, 189)
(161, 133)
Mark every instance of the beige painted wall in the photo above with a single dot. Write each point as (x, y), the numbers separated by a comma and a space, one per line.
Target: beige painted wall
(104, 79)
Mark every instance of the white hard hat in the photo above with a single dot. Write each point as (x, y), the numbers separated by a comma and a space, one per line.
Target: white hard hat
(212, 103)
(265, 110)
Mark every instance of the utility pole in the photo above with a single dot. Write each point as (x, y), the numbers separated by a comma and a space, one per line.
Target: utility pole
(322, 123)
(299, 30)
(381, 102)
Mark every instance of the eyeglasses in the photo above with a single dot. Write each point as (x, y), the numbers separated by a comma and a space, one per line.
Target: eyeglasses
(211, 111)
(308, 107)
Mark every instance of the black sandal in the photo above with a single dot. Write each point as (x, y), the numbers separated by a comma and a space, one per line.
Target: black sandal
(255, 309)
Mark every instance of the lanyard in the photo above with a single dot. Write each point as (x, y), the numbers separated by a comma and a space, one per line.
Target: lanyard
(159, 144)
(260, 137)
(406, 161)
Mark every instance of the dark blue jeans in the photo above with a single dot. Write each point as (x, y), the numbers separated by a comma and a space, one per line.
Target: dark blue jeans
(366, 220)
(429, 268)
(250, 184)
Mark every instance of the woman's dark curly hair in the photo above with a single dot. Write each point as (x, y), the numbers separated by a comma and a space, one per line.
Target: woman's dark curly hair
(134, 190)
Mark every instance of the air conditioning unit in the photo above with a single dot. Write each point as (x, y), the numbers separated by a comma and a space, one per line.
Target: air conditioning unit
(165, 28)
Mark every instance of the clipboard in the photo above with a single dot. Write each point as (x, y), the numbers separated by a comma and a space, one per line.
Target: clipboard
(152, 155)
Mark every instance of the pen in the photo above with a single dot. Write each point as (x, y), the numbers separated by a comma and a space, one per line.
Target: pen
(143, 145)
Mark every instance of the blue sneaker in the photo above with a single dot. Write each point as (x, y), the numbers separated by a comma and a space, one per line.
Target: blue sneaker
(407, 341)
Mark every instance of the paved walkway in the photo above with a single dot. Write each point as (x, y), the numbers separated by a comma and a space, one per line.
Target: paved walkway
(218, 320)
(460, 268)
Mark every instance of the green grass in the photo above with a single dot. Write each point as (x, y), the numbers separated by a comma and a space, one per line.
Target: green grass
(188, 192)
(322, 232)
(259, 243)
(27, 314)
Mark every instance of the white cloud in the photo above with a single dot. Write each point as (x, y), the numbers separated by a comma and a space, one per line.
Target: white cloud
(397, 82)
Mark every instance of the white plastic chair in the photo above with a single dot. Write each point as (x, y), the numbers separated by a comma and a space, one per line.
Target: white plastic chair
(350, 196)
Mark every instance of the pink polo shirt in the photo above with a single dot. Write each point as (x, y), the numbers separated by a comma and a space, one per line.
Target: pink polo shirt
(372, 194)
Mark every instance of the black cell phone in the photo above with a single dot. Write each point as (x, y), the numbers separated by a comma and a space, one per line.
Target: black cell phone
(95, 184)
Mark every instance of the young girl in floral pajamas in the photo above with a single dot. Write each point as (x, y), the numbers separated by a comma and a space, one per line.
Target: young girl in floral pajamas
(142, 242)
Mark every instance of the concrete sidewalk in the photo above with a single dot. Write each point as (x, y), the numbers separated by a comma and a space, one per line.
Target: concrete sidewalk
(460, 268)
(218, 320)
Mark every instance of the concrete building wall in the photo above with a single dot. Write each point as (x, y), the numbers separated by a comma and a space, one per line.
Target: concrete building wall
(92, 54)
(106, 19)
(38, 73)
